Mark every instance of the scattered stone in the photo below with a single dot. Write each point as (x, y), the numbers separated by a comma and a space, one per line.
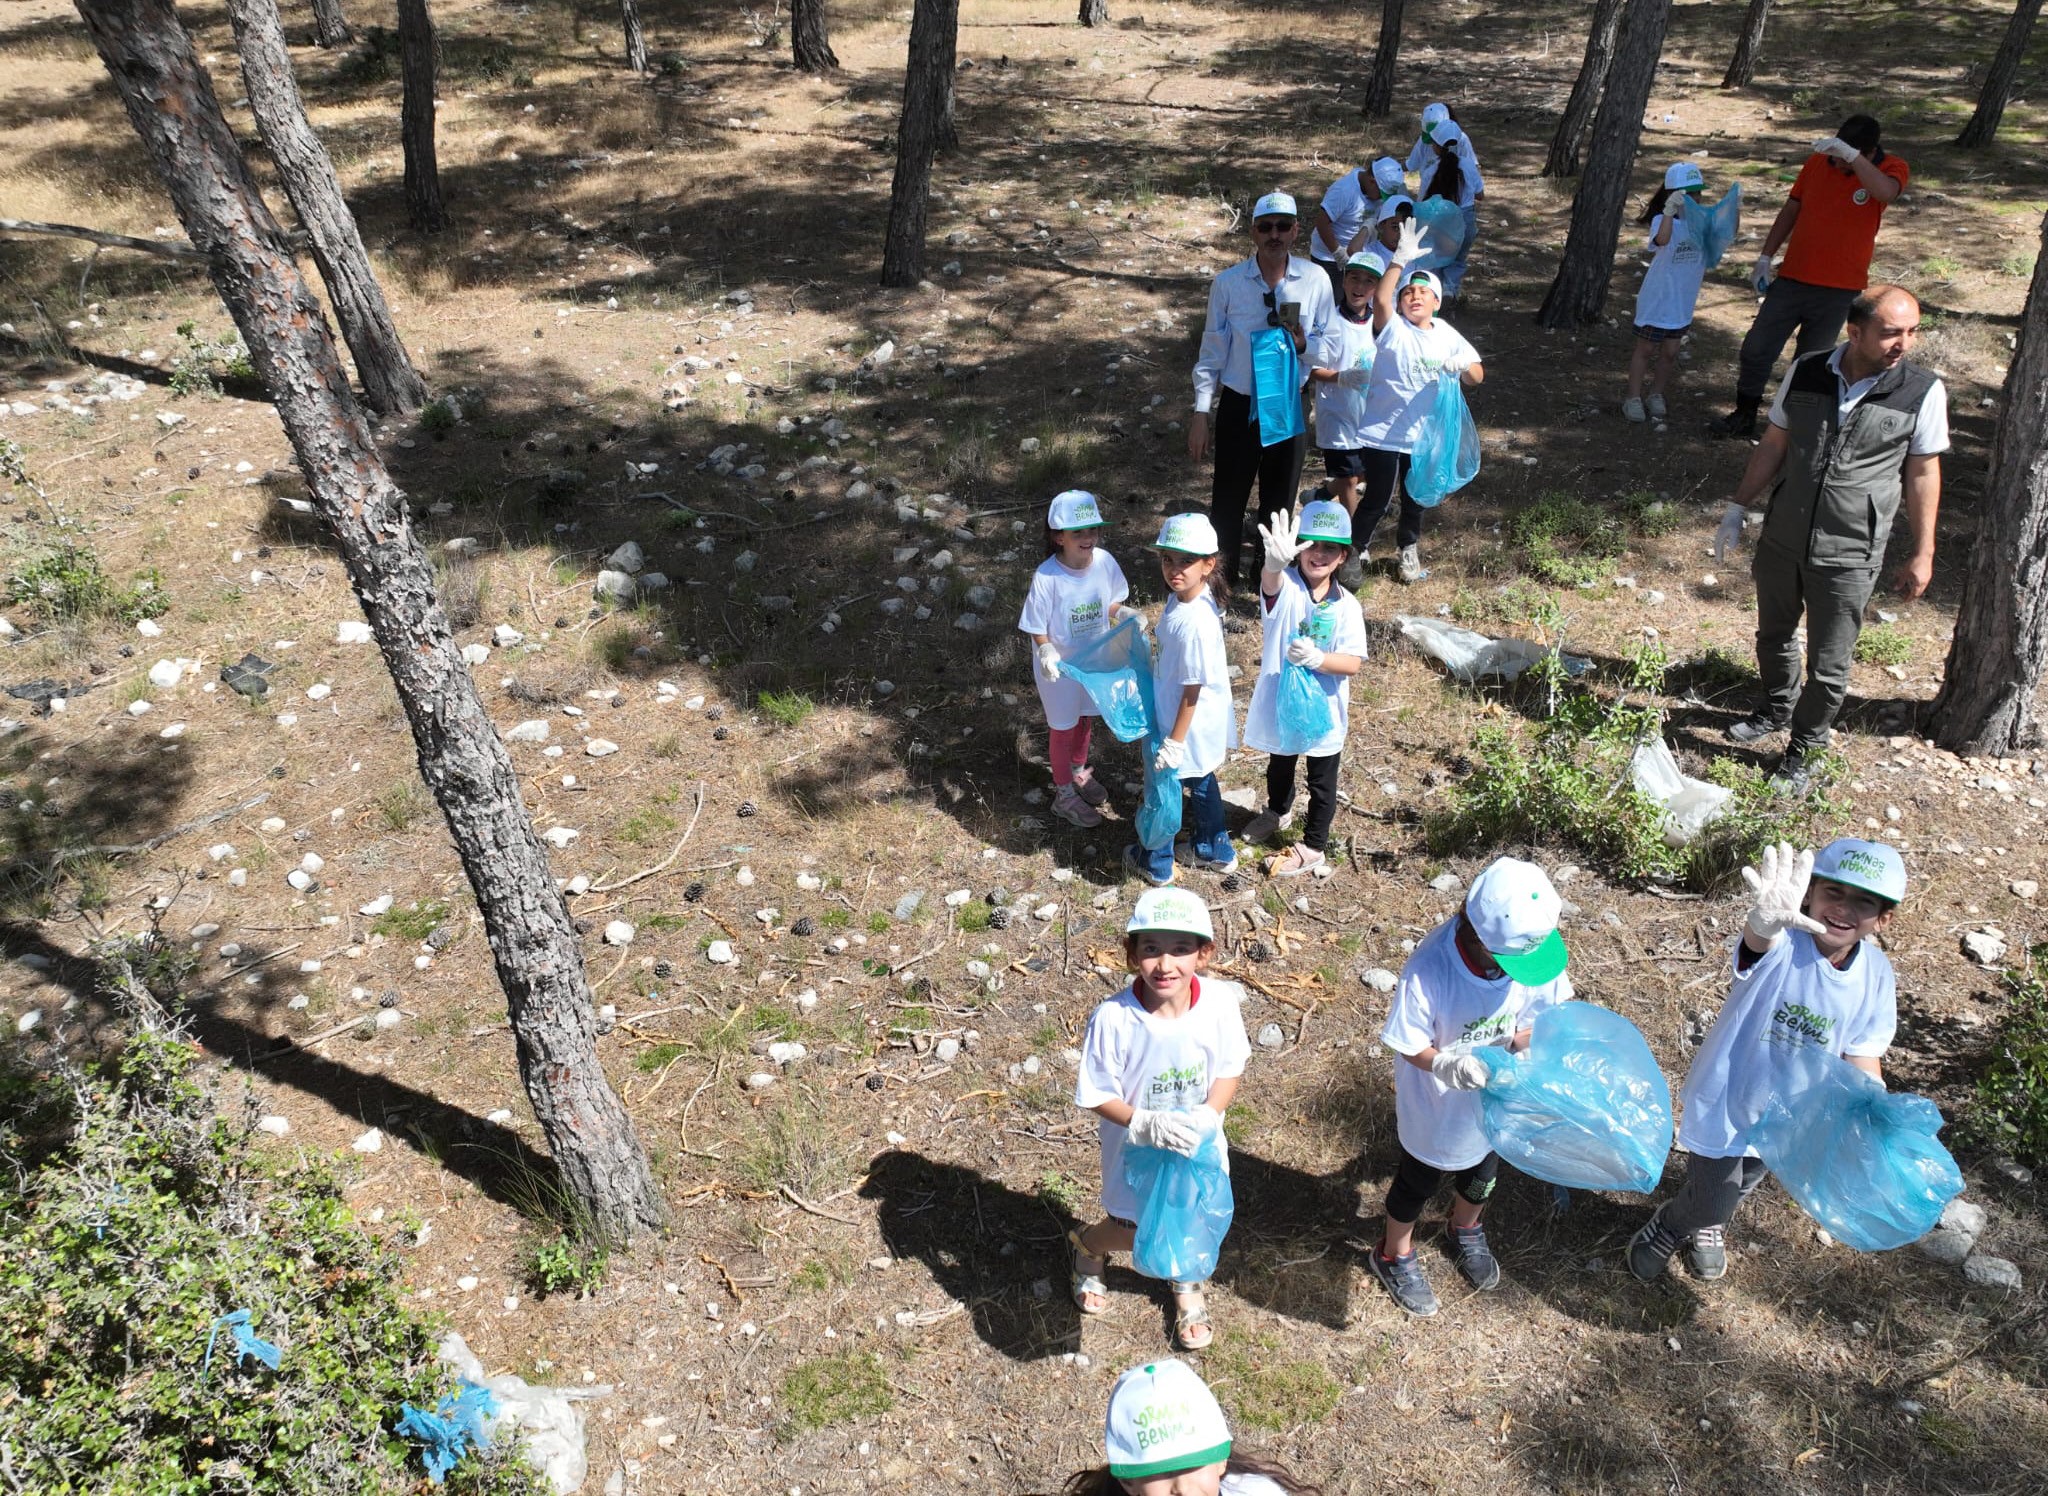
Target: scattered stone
(505, 636)
(165, 674)
(532, 731)
(760, 1080)
(559, 837)
(1987, 1271)
(946, 1051)
(1046, 912)
(2024, 888)
(389, 1018)
(319, 691)
(139, 709)
(1270, 1036)
(1379, 979)
(787, 1053)
(205, 931)
(615, 587)
(720, 953)
(248, 676)
(277, 1127)
(352, 633)
(1447, 883)
(628, 558)
(744, 877)
(476, 654)
(370, 1142)
(600, 748)
(908, 904)
(299, 879)
(618, 932)
(1985, 947)
(1956, 1233)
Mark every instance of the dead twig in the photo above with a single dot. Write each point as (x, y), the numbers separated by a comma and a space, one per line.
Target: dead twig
(817, 1210)
(661, 866)
(162, 836)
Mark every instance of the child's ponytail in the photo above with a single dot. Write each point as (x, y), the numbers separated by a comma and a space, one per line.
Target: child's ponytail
(1219, 587)
(1448, 181)
(1656, 204)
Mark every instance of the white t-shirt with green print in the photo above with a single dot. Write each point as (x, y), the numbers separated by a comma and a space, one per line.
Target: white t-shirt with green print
(1336, 625)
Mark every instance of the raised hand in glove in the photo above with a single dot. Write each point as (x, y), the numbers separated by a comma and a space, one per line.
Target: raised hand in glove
(1302, 650)
(1461, 1072)
(1049, 660)
(1777, 885)
(1761, 275)
(1282, 537)
(1834, 145)
(1354, 379)
(1168, 1130)
(1408, 248)
(1171, 755)
(1728, 535)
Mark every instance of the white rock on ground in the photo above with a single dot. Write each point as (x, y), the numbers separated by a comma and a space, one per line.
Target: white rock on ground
(533, 730)
(370, 1142)
(1985, 947)
(1953, 1237)
(787, 1053)
(1987, 1271)
(505, 636)
(618, 932)
(276, 1126)
(559, 837)
(352, 633)
(600, 748)
(376, 906)
(720, 953)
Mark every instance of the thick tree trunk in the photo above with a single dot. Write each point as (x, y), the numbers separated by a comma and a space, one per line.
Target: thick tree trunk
(1580, 289)
(171, 103)
(1094, 12)
(948, 70)
(1379, 83)
(927, 90)
(1742, 66)
(1563, 160)
(423, 208)
(391, 385)
(636, 40)
(810, 41)
(1986, 704)
(330, 26)
(1998, 82)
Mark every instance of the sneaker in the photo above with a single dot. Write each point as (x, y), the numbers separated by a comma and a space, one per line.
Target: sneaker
(1707, 1253)
(1651, 1249)
(1793, 776)
(1738, 422)
(1264, 826)
(1656, 407)
(1754, 729)
(1088, 789)
(1068, 805)
(1220, 857)
(1412, 569)
(1474, 1257)
(1633, 409)
(1297, 861)
(1402, 1278)
(1134, 859)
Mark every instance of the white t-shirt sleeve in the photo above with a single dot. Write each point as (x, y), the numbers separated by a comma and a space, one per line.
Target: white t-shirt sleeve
(1215, 349)
(1038, 606)
(1411, 1026)
(1459, 347)
(1778, 404)
(1103, 1053)
(1119, 588)
(1930, 427)
(1878, 1021)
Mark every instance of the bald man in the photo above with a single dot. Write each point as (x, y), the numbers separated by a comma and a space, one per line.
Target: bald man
(1855, 432)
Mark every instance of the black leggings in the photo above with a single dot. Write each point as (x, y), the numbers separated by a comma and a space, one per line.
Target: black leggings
(1713, 1188)
(1240, 459)
(1415, 1182)
(1322, 794)
(1383, 474)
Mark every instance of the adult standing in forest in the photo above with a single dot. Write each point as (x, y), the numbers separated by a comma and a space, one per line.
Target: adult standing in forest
(1828, 230)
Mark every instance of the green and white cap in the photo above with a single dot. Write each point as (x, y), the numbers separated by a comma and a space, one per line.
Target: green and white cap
(1368, 259)
(1190, 534)
(1174, 909)
(1514, 909)
(1076, 509)
(1323, 520)
(1163, 1418)
(1871, 866)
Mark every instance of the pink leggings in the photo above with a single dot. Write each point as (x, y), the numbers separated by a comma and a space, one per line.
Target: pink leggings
(1068, 749)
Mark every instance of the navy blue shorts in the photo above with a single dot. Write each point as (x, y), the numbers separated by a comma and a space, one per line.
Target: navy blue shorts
(1661, 334)
(1344, 462)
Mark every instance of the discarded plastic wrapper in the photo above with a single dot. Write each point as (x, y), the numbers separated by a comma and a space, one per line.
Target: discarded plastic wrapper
(1690, 805)
(547, 1421)
(459, 1420)
(1115, 669)
(1469, 656)
(247, 1344)
(1585, 1106)
(1446, 455)
(1185, 1207)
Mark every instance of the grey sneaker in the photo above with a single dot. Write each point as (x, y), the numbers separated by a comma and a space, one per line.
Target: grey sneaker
(1754, 729)
(1475, 1258)
(1412, 569)
(1707, 1253)
(1264, 826)
(1651, 1249)
(1402, 1278)
(1794, 775)
(1632, 407)
(1655, 405)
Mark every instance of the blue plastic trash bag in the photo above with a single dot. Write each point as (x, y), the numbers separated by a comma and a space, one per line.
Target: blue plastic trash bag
(1184, 1209)
(1713, 229)
(1443, 233)
(1276, 385)
(1159, 815)
(247, 1343)
(1115, 669)
(1585, 1106)
(446, 1434)
(1447, 455)
(1862, 1161)
(1303, 712)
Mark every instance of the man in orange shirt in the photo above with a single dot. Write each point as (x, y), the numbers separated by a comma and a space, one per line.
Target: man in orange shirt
(1831, 220)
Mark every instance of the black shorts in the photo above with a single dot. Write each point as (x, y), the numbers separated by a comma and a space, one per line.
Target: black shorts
(1344, 462)
(1661, 334)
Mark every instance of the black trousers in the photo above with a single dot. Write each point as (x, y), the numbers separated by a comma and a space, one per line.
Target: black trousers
(1241, 458)
(1383, 474)
(1322, 794)
(1415, 1182)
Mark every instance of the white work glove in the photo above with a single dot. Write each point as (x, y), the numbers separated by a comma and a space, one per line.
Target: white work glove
(1171, 755)
(1282, 536)
(1301, 650)
(1049, 660)
(1408, 248)
(1834, 145)
(1457, 364)
(1728, 537)
(1777, 885)
(1761, 275)
(1133, 613)
(1461, 1072)
(1354, 379)
(1173, 1131)
(1674, 205)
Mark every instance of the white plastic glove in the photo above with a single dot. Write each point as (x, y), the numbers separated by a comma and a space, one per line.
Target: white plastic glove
(1168, 1130)
(1282, 537)
(1461, 1072)
(1777, 885)
(1728, 537)
(1354, 379)
(1133, 613)
(1049, 660)
(1761, 275)
(1301, 650)
(1834, 145)
(1457, 364)
(1674, 205)
(1408, 248)
(1171, 755)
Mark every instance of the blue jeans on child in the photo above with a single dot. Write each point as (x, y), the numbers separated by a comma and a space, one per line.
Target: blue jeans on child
(1212, 839)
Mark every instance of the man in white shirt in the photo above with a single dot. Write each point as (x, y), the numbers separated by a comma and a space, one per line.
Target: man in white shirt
(1271, 289)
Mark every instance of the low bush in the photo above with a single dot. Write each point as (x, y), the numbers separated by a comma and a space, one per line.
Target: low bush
(2008, 1112)
(70, 583)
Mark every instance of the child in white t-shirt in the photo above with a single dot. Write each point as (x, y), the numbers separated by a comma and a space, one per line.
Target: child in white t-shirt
(1478, 979)
(1671, 289)
(1076, 594)
(1340, 368)
(1442, 135)
(1166, 1436)
(1345, 221)
(1311, 621)
(1807, 973)
(1159, 1065)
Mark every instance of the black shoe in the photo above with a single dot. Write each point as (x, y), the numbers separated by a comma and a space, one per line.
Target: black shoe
(1738, 422)
(1474, 1257)
(1651, 1249)
(1402, 1278)
(1794, 775)
(1754, 729)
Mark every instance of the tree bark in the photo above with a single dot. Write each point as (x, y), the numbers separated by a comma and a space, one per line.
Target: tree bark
(391, 386)
(2005, 67)
(1986, 702)
(1742, 66)
(948, 70)
(636, 39)
(810, 41)
(1379, 83)
(927, 90)
(1580, 289)
(330, 26)
(423, 209)
(1094, 12)
(1563, 160)
(171, 103)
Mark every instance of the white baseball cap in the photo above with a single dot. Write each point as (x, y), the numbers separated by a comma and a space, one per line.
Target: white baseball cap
(1432, 113)
(1514, 910)
(1163, 1418)
(1324, 520)
(1388, 175)
(1174, 909)
(1425, 278)
(1274, 205)
(1076, 509)
(1394, 205)
(1871, 866)
(1368, 259)
(1444, 134)
(1681, 175)
(1191, 534)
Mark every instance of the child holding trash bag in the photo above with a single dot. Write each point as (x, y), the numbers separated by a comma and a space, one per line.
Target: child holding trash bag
(1671, 287)
(1159, 1065)
(1077, 592)
(1340, 368)
(1479, 978)
(1806, 974)
(1301, 707)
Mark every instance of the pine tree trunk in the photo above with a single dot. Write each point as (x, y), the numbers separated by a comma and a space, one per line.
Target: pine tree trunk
(330, 26)
(1742, 66)
(1986, 704)
(927, 88)
(1580, 289)
(1379, 83)
(1563, 160)
(171, 103)
(1094, 12)
(636, 40)
(1998, 82)
(948, 67)
(391, 386)
(810, 42)
(423, 208)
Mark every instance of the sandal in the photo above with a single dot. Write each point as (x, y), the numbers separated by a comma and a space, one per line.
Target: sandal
(1085, 1283)
(1191, 1330)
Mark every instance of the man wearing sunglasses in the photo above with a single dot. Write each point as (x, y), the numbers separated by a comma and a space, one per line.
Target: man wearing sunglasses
(1271, 289)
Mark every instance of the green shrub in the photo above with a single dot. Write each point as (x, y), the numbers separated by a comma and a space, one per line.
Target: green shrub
(2008, 1112)
(416, 921)
(1567, 541)
(1884, 644)
(438, 417)
(200, 366)
(786, 708)
(69, 582)
(835, 1389)
(563, 1263)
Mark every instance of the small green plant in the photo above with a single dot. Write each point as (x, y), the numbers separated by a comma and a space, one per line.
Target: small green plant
(562, 1263)
(69, 583)
(799, 1147)
(659, 1056)
(402, 804)
(2008, 1112)
(878, 923)
(786, 708)
(1567, 541)
(835, 919)
(812, 1277)
(1062, 460)
(2018, 266)
(972, 917)
(439, 417)
(1238, 1123)
(613, 647)
(1649, 515)
(1269, 1390)
(1063, 1192)
(200, 366)
(645, 826)
(835, 1389)
(1884, 644)
(416, 921)
(1941, 267)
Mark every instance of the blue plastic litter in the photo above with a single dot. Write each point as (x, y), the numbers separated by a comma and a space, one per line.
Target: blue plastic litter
(1713, 229)
(1184, 1210)
(1585, 1106)
(1303, 712)
(445, 1435)
(1115, 669)
(1864, 1162)
(247, 1343)
(1160, 813)
(1276, 385)
(1447, 456)
(1443, 233)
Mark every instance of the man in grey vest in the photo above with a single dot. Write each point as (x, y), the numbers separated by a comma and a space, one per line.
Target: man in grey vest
(1855, 432)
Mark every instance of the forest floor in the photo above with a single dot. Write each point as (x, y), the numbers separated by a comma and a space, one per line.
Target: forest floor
(864, 1288)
